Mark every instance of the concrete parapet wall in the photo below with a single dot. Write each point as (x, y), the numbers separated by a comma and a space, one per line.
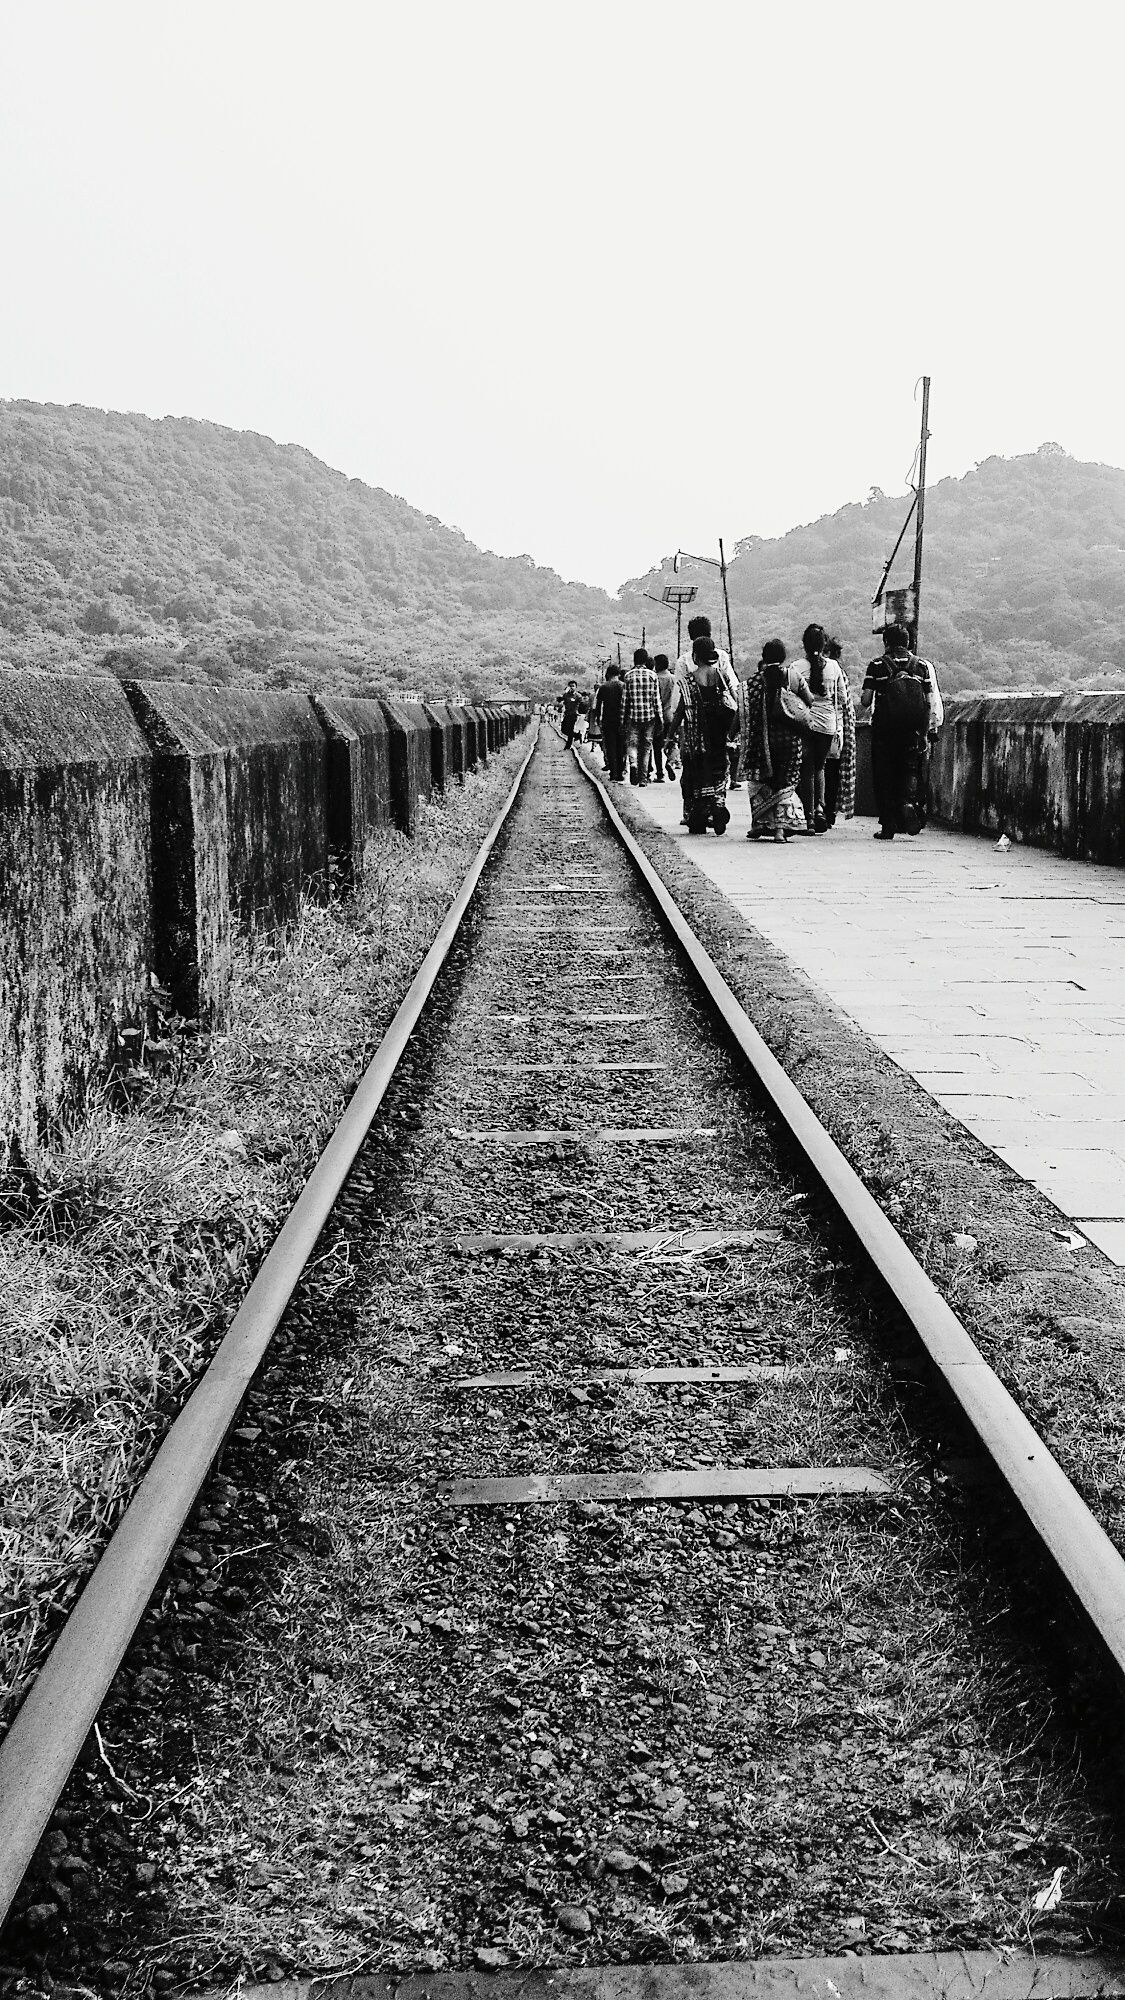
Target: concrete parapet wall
(359, 778)
(485, 737)
(190, 848)
(139, 823)
(75, 892)
(1045, 769)
(275, 755)
(468, 723)
(411, 758)
(447, 745)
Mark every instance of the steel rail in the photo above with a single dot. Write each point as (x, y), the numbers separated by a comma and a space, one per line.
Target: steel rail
(1082, 1552)
(43, 1743)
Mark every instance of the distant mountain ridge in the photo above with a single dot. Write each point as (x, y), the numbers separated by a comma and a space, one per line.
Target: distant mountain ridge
(179, 547)
(1023, 582)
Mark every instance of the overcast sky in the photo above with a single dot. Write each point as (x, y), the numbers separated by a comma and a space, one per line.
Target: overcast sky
(587, 280)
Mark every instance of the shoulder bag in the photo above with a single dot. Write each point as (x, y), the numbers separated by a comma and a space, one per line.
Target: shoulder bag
(791, 709)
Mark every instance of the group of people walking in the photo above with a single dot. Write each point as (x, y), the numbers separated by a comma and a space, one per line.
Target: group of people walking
(780, 722)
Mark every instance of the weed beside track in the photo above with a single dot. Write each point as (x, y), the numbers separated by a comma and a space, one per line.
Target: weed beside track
(123, 1264)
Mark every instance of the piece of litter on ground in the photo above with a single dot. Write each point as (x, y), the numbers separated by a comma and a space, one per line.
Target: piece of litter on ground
(963, 1241)
(842, 1354)
(1050, 1897)
(1070, 1239)
(1003, 844)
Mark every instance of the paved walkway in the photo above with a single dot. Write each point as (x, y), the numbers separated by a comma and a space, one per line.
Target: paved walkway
(997, 980)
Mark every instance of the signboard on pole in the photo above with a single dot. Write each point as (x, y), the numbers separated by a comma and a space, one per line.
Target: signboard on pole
(895, 607)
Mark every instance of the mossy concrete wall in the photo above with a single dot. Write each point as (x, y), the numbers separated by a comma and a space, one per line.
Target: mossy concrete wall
(447, 745)
(140, 823)
(190, 845)
(1047, 769)
(411, 761)
(275, 766)
(75, 892)
(359, 778)
(484, 738)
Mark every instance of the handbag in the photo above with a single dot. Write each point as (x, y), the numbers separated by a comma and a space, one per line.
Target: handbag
(792, 709)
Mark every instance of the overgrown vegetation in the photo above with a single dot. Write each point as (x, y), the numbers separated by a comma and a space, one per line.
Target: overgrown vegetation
(123, 1264)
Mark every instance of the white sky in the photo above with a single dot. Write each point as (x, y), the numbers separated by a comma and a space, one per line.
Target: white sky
(586, 278)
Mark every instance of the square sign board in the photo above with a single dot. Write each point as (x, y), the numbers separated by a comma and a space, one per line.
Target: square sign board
(895, 607)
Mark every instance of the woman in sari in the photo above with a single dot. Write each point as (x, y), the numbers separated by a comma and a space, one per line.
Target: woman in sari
(772, 745)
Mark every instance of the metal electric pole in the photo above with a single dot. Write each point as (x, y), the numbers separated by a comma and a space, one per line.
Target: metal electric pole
(726, 602)
(920, 522)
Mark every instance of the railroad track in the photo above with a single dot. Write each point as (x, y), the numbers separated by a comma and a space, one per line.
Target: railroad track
(619, 1616)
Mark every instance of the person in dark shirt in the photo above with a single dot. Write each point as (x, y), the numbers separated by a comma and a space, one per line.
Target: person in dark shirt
(612, 695)
(570, 705)
(896, 690)
(666, 681)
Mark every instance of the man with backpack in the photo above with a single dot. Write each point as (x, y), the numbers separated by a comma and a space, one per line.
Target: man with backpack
(704, 709)
(901, 692)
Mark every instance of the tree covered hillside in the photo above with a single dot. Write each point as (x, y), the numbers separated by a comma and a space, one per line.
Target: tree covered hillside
(1023, 587)
(183, 548)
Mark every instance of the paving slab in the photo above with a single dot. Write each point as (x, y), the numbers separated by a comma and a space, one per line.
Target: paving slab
(939, 1975)
(995, 980)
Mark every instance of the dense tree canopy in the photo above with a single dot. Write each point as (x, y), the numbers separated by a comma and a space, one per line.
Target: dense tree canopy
(1023, 583)
(181, 548)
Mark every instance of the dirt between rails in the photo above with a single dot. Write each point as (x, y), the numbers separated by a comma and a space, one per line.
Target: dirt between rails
(362, 1727)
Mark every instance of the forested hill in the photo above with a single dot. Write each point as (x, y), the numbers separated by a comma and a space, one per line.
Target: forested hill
(1024, 581)
(183, 548)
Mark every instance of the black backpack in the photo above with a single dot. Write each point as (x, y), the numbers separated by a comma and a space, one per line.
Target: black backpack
(902, 703)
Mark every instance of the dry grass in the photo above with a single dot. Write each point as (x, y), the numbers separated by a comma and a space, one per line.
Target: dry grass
(148, 1220)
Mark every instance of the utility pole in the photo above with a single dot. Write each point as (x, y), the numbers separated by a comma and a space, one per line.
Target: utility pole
(920, 522)
(726, 599)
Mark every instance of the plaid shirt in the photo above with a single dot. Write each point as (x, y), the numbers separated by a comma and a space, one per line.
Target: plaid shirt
(642, 696)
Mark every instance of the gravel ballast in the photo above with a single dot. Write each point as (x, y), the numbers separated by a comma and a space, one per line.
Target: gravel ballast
(366, 1728)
